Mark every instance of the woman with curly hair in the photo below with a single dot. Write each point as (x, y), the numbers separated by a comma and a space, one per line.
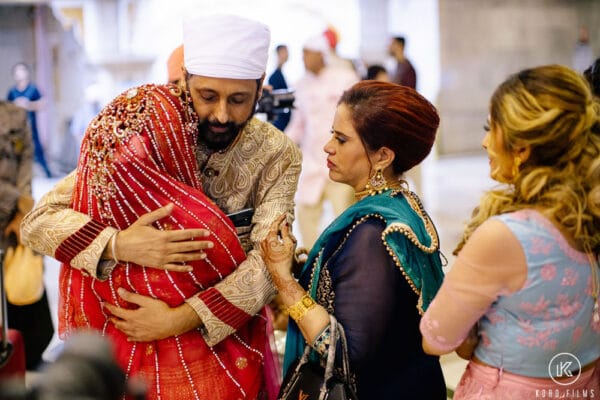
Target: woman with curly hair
(521, 300)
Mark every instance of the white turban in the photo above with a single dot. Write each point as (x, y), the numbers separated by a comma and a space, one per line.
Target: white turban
(225, 46)
(317, 43)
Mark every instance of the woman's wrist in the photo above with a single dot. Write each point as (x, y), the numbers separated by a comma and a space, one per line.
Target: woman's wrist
(299, 309)
(287, 286)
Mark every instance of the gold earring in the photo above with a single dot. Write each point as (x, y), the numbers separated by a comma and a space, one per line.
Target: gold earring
(515, 168)
(376, 183)
(183, 86)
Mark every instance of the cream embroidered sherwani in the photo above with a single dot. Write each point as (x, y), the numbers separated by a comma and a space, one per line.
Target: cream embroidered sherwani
(260, 170)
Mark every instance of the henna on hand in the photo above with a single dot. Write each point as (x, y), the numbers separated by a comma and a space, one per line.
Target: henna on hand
(278, 248)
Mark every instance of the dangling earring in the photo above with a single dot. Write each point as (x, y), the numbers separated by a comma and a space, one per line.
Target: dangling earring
(515, 168)
(183, 87)
(376, 183)
(186, 101)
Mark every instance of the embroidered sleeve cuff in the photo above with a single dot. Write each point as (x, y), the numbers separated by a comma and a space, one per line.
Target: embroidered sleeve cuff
(233, 301)
(78, 241)
(89, 259)
(213, 330)
(221, 308)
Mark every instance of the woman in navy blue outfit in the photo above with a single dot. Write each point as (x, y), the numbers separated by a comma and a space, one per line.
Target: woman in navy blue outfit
(377, 266)
(26, 95)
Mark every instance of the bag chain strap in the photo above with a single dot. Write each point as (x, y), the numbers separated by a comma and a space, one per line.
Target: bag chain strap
(329, 367)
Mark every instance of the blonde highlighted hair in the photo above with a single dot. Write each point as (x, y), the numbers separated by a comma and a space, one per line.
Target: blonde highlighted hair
(552, 110)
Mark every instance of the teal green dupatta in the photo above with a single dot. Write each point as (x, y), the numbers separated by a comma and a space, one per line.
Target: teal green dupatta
(409, 236)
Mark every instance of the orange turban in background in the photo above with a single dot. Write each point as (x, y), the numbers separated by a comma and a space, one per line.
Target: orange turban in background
(175, 64)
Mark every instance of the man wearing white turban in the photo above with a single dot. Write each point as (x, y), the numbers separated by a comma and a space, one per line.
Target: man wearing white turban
(148, 253)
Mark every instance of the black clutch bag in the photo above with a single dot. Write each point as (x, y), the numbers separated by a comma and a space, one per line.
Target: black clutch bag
(307, 379)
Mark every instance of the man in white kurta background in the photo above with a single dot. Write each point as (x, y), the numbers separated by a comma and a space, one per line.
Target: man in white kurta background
(317, 94)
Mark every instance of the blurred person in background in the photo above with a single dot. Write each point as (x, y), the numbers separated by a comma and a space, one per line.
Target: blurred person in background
(332, 36)
(175, 69)
(16, 162)
(277, 81)
(25, 94)
(377, 72)
(317, 93)
(405, 73)
(88, 109)
(583, 55)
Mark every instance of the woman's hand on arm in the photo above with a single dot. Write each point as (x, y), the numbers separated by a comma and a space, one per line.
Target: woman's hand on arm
(278, 250)
(143, 244)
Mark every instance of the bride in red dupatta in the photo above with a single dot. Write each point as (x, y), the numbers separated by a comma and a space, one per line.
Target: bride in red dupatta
(138, 155)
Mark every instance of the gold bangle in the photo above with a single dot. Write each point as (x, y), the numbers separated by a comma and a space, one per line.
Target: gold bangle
(299, 309)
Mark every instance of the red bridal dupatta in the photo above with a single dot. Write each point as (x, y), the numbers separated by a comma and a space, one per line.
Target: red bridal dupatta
(138, 155)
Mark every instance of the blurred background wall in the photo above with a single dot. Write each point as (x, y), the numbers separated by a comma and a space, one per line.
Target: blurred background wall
(85, 52)
(483, 41)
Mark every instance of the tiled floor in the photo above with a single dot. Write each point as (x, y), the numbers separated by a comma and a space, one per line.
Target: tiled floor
(450, 188)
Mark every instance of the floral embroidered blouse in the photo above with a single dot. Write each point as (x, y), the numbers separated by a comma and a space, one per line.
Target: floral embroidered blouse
(528, 290)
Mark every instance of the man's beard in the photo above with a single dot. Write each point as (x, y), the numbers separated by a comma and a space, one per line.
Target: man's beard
(218, 141)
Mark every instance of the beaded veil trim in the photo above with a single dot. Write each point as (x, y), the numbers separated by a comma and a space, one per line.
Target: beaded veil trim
(325, 294)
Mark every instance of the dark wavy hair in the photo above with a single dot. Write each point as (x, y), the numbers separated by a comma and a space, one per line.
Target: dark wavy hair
(394, 116)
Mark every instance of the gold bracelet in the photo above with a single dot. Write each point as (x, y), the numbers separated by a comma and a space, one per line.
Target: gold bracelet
(299, 309)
